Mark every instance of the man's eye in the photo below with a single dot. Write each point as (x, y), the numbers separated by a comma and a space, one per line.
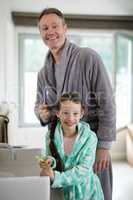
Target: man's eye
(54, 27)
(44, 28)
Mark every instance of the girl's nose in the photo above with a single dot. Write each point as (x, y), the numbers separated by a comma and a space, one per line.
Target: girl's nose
(70, 116)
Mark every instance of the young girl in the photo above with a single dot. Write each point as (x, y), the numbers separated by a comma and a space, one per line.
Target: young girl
(76, 145)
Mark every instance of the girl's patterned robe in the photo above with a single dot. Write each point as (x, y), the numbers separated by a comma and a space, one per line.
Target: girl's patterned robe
(78, 180)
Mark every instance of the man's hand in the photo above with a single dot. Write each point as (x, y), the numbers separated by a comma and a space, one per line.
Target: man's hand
(102, 160)
(44, 112)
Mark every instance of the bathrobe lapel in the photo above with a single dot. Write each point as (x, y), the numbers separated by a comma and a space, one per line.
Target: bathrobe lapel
(80, 141)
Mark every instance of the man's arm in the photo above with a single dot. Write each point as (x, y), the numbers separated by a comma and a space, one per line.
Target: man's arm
(106, 132)
(101, 86)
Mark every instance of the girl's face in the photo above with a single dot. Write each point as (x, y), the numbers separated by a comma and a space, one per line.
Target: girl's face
(70, 114)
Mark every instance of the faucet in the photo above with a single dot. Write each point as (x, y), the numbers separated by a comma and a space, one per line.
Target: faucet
(10, 148)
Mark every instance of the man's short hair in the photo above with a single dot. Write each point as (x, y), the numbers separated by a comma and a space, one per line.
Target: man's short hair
(48, 11)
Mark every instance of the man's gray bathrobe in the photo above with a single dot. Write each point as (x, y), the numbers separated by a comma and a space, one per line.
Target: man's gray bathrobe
(81, 70)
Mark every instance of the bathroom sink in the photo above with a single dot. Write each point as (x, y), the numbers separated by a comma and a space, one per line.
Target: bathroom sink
(19, 175)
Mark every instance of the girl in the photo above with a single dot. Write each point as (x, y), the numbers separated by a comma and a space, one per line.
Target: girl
(76, 145)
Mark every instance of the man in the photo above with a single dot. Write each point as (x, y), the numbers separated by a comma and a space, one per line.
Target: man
(69, 68)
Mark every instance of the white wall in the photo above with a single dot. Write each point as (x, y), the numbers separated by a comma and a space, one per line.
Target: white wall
(117, 7)
(9, 80)
(8, 66)
(4, 8)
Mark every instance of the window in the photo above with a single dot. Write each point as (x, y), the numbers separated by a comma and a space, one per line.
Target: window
(32, 54)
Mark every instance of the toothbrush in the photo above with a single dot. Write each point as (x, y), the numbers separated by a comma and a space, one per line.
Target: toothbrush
(45, 95)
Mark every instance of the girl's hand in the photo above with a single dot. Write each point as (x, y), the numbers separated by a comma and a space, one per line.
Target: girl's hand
(46, 169)
(44, 160)
(45, 163)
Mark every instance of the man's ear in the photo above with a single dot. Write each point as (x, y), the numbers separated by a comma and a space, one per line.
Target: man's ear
(65, 27)
(82, 113)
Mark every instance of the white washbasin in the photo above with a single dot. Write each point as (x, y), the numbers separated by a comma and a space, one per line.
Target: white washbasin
(24, 188)
(19, 175)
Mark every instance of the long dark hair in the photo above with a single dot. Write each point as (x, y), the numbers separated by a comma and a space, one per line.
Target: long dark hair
(53, 149)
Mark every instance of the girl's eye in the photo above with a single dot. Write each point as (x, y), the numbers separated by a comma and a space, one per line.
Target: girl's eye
(75, 113)
(65, 113)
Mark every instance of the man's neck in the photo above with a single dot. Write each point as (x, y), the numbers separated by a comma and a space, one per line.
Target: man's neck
(57, 56)
(57, 53)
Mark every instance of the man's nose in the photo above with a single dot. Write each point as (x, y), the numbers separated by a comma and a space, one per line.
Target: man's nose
(50, 30)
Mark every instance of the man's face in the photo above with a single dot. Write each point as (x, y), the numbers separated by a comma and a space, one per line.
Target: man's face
(53, 31)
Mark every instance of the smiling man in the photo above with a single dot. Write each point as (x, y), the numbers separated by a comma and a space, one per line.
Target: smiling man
(69, 68)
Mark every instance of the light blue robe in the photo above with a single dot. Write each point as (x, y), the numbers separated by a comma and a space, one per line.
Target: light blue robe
(78, 180)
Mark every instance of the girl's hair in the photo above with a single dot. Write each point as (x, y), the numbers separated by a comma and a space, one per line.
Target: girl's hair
(71, 96)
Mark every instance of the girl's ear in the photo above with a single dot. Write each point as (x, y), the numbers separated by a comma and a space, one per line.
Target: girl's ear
(57, 114)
